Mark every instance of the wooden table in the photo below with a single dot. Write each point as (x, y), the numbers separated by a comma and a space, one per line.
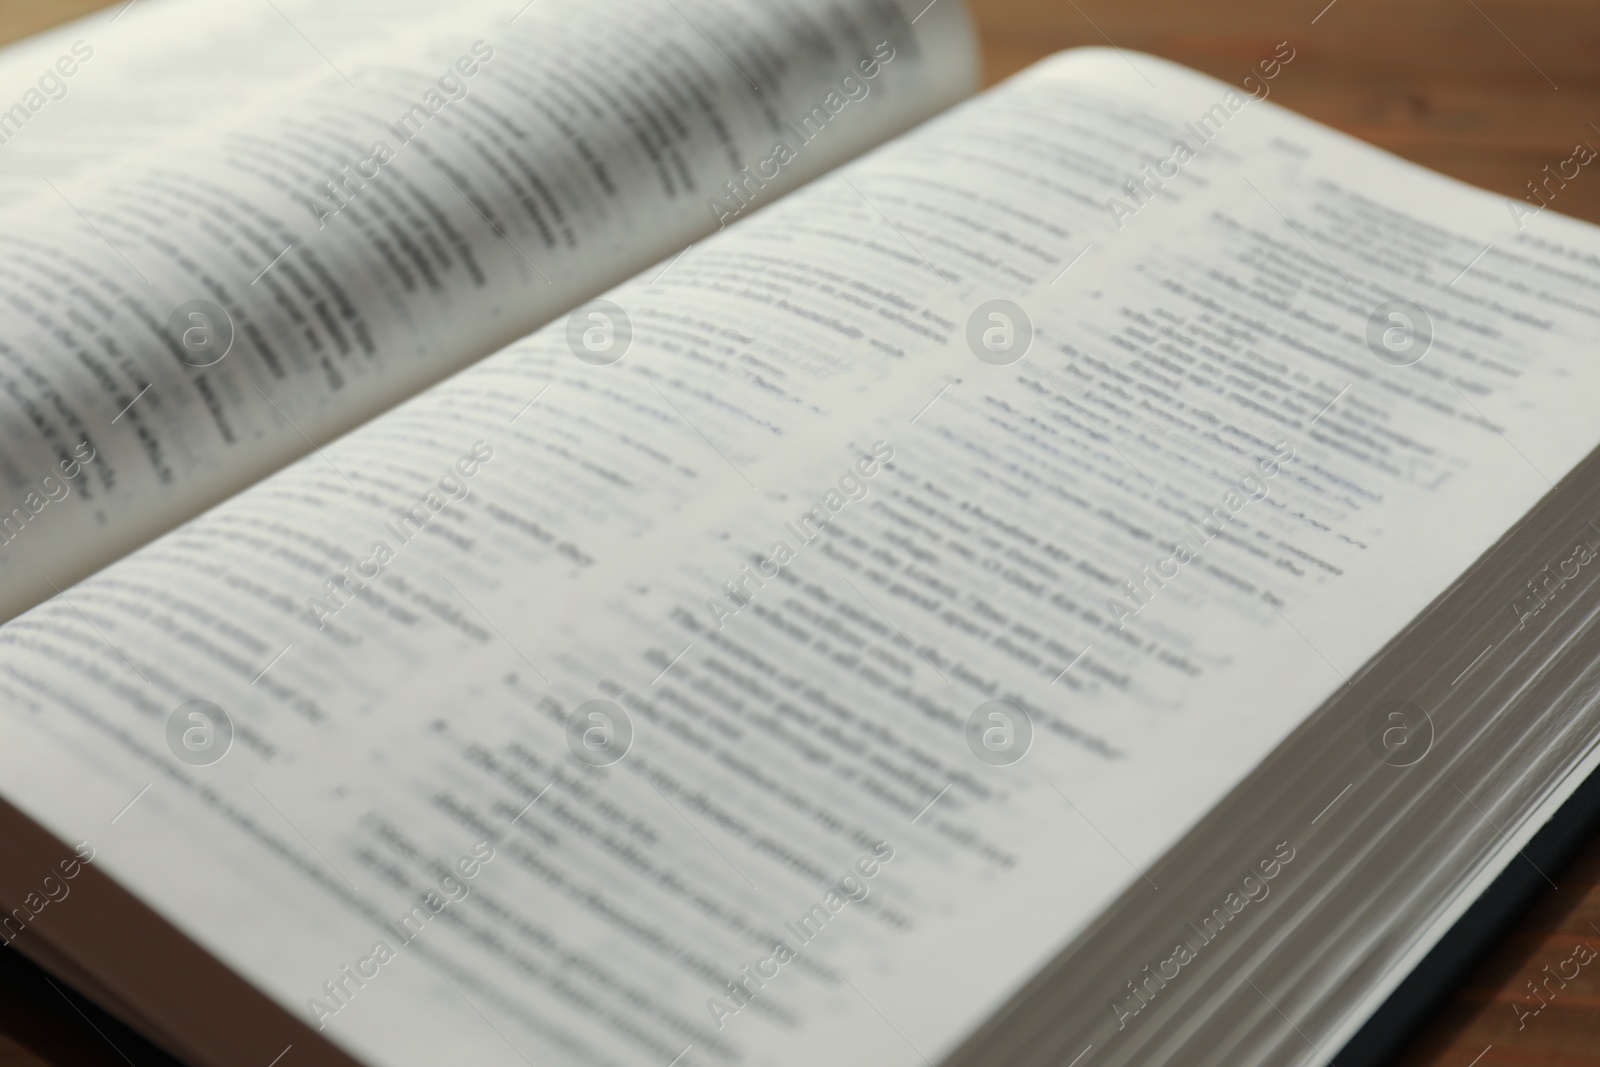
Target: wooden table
(1488, 91)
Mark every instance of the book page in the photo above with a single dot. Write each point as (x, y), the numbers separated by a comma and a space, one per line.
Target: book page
(193, 318)
(938, 545)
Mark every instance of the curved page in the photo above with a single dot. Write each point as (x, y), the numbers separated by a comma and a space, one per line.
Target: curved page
(179, 325)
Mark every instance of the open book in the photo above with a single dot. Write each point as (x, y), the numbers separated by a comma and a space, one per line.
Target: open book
(497, 571)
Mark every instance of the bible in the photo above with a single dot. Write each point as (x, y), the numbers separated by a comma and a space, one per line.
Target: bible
(680, 533)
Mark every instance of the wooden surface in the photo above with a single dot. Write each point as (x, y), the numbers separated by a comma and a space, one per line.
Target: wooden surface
(1488, 91)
